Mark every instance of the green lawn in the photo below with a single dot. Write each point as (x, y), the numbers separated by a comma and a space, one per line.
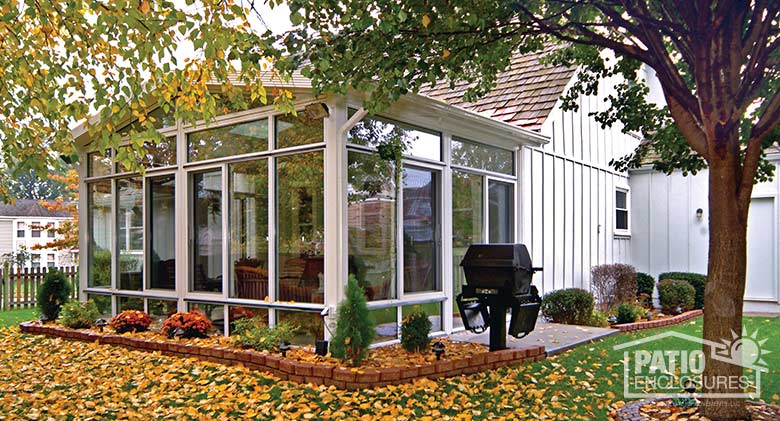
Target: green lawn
(45, 377)
(14, 317)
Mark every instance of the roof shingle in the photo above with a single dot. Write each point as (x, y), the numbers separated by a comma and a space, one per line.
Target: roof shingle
(29, 208)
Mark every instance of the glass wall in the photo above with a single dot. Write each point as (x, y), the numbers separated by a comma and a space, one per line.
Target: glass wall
(476, 155)
(130, 232)
(501, 212)
(230, 140)
(99, 226)
(421, 230)
(206, 268)
(161, 213)
(296, 130)
(249, 229)
(300, 223)
(467, 225)
(375, 131)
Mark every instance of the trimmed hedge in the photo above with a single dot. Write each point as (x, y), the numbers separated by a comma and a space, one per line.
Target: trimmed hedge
(674, 293)
(572, 306)
(697, 281)
(645, 284)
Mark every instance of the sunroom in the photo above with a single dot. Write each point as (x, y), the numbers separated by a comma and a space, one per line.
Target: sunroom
(260, 213)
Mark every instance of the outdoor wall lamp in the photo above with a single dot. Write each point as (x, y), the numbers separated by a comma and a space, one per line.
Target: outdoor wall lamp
(699, 213)
(438, 349)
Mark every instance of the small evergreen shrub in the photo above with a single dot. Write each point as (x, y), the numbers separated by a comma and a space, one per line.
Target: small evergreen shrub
(613, 284)
(414, 332)
(78, 315)
(53, 293)
(256, 334)
(568, 306)
(697, 281)
(628, 313)
(645, 286)
(131, 321)
(354, 326)
(192, 324)
(599, 319)
(674, 293)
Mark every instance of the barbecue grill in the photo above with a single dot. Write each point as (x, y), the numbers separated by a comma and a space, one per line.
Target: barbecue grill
(498, 278)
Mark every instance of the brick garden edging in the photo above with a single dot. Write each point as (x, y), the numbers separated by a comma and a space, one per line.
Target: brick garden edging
(302, 372)
(652, 324)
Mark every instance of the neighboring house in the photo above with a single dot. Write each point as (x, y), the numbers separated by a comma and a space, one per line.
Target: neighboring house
(23, 226)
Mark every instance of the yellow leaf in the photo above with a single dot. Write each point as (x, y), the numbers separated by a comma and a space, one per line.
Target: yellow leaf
(445, 54)
(426, 21)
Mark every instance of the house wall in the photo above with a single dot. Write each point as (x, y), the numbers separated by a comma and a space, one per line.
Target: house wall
(668, 236)
(6, 236)
(569, 192)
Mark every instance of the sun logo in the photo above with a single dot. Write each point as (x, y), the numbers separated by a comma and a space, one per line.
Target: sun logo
(747, 349)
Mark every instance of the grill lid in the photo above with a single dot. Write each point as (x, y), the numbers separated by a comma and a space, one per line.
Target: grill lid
(498, 256)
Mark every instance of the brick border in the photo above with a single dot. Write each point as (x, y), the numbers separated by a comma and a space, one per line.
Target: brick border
(652, 324)
(298, 371)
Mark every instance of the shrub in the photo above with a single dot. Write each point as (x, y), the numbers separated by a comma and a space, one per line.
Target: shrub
(645, 284)
(78, 315)
(569, 306)
(675, 293)
(131, 321)
(53, 293)
(414, 332)
(614, 284)
(598, 319)
(192, 324)
(697, 281)
(628, 313)
(354, 326)
(255, 333)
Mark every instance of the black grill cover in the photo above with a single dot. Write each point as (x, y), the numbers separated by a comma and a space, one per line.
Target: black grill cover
(504, 266)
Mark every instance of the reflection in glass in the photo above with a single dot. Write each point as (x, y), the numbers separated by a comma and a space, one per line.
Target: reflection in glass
(99, 230)
(421, 222)
(621, 210)
(467, 226)
(386, 324)
(374, 131)
(249, 229)
(103, 303)
(297, 130)
(238, 313)
(130, 232)
(129, 303)
(372, 224)
(484, 157)
(160, 310)
(432, 310)
(162, 231)
(300, 219)
(99, 163)
(231, 140)
(206, 238)
(154, 155)
(500, 209)
(214, 312)
(309, 326)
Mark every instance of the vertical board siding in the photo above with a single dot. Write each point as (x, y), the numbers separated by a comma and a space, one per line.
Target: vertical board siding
(7, 235)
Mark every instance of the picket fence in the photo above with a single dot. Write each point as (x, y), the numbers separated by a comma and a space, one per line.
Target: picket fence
(20, 286)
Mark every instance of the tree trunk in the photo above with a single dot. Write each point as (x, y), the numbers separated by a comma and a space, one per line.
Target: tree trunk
(725, 290)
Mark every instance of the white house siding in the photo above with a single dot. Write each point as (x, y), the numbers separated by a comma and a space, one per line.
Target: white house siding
(668, 236)
(567, 204)
(6, 236)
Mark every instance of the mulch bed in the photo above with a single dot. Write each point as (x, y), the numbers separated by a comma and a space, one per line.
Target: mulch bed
(664, 409)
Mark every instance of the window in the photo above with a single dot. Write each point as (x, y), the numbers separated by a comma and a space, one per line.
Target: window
(99, 163)
(500, 212)
(421, 230)
(51, 231)
(130, 229)
(468, 223)
(214, 312)
(50, 260)
(130, 303)
(20, 230)
(249, 229)
(206, 236)
(484, 157)
(160, 310)
(99, 229)
(621, 210)
(297, 130)
(375, 131)
(154, 155)
(161, 214)
(237, 139)
(36, 260)
(35, 229)
(309, 326)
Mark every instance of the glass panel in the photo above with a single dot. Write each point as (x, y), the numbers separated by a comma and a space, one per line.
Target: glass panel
(103, 303)
(159, 118)
(162, 231)
(214, 312)
(375, 131)
(421, 222)
(130, 229)
(484, 157)
(386, 320)
(432, 310)
(620, 199)
(500, 209)
(231, 140)
(309, 326)
(129, 303)
(99, 163)
(621, 221)
(249, 229)
(162, 154)
(467, 226)
(238, 313)
(160, 310)
(297, 130)
(206, 205)
(300, 221)
(372, 224)
(99, 230)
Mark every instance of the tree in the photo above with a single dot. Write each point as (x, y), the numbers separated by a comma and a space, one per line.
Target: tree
(717, 62)
(67, 232)
(109, 63)
(27, 185)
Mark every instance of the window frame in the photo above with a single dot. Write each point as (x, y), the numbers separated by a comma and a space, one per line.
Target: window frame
(625, 232)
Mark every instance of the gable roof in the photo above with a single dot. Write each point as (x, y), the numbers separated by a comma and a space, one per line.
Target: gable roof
(524, 95)
(29, 208)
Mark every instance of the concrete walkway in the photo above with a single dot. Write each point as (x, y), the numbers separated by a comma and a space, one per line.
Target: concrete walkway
(555, 338)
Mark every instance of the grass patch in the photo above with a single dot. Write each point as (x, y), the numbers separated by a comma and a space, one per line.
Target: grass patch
(14, 317)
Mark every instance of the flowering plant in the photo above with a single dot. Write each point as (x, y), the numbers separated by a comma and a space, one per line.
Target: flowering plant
(131, 321)
(192, 325)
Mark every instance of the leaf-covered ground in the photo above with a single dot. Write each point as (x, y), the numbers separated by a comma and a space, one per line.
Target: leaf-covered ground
(42, 378)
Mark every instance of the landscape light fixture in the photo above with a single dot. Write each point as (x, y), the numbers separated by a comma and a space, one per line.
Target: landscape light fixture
(649, 315)
(612, 320)
(43, 318)
(284, 346)
(438, 349)
(101, 323)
